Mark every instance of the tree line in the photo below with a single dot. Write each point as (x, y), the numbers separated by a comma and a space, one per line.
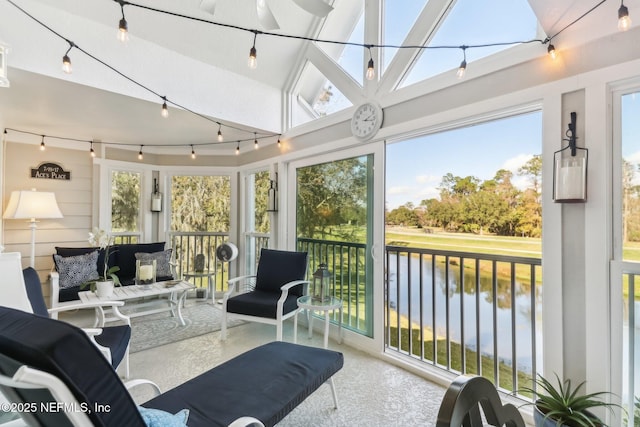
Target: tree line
(468, 204)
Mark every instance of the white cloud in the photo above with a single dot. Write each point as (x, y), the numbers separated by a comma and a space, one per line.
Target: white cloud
(427, 179)
(514, 163)
(400, 190)
(633, 158)
(428, 193)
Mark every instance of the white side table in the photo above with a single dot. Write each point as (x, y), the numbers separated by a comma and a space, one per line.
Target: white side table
(211, 280)
(308, 303)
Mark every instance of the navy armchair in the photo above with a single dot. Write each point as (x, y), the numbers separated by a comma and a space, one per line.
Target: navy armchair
(271, 296)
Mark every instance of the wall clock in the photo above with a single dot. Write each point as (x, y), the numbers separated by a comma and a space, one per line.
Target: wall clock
(366, 121)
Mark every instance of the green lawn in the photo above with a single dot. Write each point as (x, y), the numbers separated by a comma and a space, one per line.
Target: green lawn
(497, 245)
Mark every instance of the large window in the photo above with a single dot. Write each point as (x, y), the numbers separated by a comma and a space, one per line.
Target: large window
(463, 245)
(627, 250)
(257, 216)
(200, 222)
(125, 201)
(200, 203)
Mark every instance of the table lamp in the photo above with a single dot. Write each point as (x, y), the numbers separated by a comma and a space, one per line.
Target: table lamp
(32, 205)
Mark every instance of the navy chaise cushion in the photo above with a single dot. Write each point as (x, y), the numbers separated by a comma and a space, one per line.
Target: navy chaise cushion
(267, 383)
(66, 352)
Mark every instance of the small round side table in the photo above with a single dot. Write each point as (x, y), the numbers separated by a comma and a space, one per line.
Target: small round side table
(211, 280)
(308, 303)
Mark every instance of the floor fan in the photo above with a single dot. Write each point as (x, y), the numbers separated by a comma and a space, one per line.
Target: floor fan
(226, 252)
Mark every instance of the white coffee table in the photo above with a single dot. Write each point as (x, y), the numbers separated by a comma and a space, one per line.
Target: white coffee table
(308, 303)
(134, 295)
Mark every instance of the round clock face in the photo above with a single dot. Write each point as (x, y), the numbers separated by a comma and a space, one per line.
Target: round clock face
(366, 121)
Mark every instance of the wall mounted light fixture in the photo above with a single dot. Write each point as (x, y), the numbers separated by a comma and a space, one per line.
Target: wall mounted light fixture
(272, 201)
(156, 198)
(570, 169)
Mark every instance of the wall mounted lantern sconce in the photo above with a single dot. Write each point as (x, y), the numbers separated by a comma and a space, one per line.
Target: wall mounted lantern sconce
(570, 169)
(156, 198)
(272, 201)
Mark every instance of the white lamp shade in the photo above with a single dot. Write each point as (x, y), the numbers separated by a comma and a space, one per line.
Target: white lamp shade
(32, 204)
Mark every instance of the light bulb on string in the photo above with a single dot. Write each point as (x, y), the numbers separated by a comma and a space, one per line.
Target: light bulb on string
(165, 110)
(238, 148)
(91, 151)
(123, 27)
(193, 153)
(255, 142)
(624, 21)
(279, 143)
(371, 71)
(253, 54)
(463, 65)
(42, 147)
(140, 156)
(552, 51)
(66, 60)
(220, 137)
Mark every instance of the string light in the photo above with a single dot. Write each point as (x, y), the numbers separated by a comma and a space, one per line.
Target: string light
(165, 110)
(253, 54)
(193, 152)
(42, 147)
(220, 137)
(624, 22)
(140, 156)
(66, 60)
(623, 15)
(552, 51)
(279, 144)
(124, 144)
(123, 27)
(255, 142)
(371, 72)
(463, 65)
(238, 148)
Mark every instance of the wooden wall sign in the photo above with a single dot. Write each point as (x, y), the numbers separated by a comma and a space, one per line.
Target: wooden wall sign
(50, 171)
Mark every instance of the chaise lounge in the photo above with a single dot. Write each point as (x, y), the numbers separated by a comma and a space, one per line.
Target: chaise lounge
(259, 387)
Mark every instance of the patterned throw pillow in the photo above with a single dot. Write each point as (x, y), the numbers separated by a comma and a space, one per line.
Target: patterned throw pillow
(157, 418)
(163, 268)
(76, 270)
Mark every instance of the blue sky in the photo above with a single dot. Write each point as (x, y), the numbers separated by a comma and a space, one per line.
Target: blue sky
(631, 127)
(415, 167)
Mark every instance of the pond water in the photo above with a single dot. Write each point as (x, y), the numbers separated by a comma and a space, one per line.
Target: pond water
(470, 312)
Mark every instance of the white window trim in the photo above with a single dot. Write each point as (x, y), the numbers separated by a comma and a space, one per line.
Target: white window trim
(105, 169)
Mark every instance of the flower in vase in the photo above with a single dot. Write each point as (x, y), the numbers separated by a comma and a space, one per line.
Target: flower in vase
(103, 240)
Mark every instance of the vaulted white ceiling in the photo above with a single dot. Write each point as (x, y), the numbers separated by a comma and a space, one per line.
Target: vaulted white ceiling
(200, 66)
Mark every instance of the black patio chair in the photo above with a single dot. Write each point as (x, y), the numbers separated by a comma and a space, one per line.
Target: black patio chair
(271, 296)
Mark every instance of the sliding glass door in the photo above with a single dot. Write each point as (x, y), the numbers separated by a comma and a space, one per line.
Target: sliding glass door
(335, 210)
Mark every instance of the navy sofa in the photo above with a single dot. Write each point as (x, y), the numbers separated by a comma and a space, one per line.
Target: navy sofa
(265, 383)
(121, 255)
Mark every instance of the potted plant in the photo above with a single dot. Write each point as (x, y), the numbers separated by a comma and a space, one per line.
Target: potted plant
(563, 405)
(104, 284)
